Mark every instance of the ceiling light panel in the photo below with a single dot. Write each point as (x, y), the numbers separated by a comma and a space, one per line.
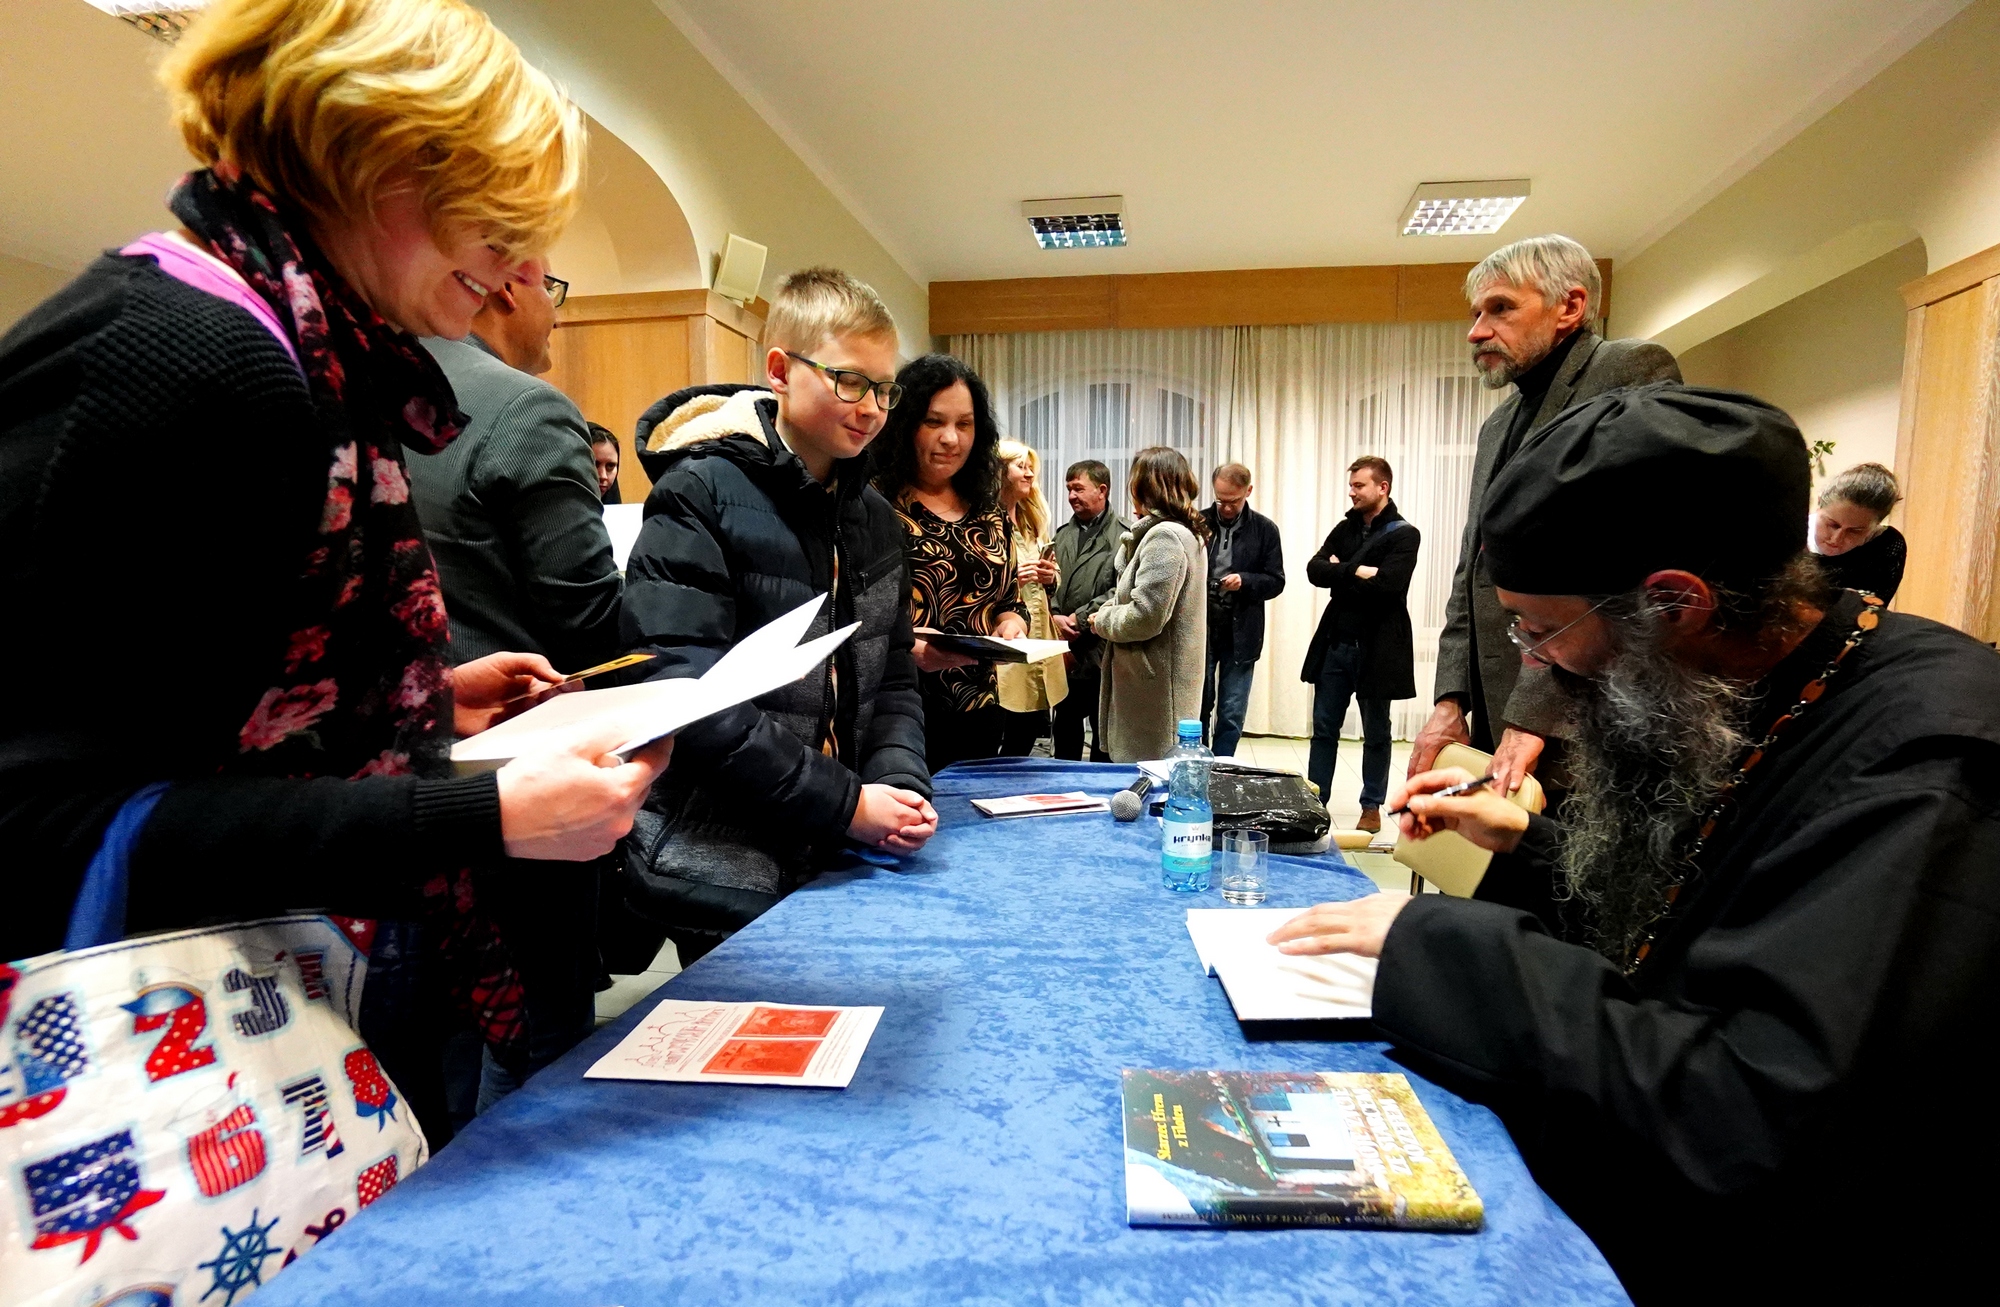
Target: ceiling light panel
(165, 19)
(1085, 222)
(1462, 208)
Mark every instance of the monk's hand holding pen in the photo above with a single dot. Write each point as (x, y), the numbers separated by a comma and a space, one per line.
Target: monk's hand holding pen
(1480, 815)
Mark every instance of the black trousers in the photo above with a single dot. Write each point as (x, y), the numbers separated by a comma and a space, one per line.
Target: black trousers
(1080, 706)
(1020, 730)
(953, 736)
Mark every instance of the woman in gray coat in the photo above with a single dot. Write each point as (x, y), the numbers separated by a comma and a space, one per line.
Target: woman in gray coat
(1156, 625)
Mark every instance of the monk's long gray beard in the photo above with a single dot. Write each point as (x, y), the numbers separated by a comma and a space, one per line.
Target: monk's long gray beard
(1655, 742)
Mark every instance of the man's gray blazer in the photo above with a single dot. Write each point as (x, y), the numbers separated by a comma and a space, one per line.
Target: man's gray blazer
(1475, 626)
(513, 518)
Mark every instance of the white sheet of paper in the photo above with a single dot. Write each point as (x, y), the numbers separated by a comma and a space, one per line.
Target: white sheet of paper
(1266, 985)
(1038, 651)
(759, 663)
(623, 521)
(743, 1044)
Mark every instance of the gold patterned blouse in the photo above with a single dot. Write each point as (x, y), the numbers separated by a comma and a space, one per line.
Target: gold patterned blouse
(961, 580)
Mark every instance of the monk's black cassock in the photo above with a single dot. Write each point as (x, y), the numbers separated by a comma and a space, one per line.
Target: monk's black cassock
(1790, 1095)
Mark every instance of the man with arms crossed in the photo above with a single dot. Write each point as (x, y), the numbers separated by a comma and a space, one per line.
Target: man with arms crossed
(1533, 303)
(1246, 570)
(1085, 546)
(1364, 648)
(1736, 1011)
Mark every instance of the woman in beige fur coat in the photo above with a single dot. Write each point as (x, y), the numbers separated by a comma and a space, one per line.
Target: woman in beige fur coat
(1156, 625)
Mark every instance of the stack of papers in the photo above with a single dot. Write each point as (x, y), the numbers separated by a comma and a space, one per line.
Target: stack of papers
(743, 1044)
(1041, 805)
(1266, 985)
(767, 658)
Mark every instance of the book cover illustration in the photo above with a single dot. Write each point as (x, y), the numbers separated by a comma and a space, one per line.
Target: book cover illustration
(1288, 1148)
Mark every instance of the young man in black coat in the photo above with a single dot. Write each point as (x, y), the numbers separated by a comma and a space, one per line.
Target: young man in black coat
(1246, 570)
(1737, 1009)
(760, 501)
(1363, 648)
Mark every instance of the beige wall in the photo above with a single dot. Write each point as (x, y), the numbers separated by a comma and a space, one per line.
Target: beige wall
(632, 70)
(1913, 153)
(24, 285)
(1832, 358)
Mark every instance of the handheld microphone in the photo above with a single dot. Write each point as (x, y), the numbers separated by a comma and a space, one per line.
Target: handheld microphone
(1128, 803)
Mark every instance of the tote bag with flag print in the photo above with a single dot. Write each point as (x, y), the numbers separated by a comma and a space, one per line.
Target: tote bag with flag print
(183, 1115)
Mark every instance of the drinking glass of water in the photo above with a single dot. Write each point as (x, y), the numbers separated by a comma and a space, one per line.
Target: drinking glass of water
(1245, 865)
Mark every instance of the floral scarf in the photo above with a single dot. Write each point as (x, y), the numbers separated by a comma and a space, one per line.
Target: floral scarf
(363, 687)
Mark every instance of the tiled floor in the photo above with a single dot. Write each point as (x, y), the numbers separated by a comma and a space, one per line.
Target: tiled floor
(1279, 751)
(627, 990)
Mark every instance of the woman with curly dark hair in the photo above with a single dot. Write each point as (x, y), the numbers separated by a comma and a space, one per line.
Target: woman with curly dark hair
(936, 463)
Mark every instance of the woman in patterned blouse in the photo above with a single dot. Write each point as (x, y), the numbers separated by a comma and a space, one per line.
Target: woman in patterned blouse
(937, 465)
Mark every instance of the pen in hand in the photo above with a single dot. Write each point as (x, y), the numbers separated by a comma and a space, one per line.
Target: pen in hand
(1449, 792)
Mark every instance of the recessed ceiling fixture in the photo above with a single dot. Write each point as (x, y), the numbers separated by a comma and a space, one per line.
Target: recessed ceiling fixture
(1082, 223)
(1462, 208)
(166, 19)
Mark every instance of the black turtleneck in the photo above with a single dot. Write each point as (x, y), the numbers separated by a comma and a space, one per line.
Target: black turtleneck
(1534, 387)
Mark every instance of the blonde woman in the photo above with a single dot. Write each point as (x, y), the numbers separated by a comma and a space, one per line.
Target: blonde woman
(231, 401)
(1028, 690)
(1156, 626)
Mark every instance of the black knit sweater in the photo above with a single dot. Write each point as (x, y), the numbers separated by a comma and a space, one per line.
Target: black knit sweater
(162, 471)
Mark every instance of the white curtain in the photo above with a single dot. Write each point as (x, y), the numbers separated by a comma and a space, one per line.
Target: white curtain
(1296, 405)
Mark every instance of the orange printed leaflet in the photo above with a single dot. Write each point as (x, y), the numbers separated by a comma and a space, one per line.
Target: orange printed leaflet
(743, 1044)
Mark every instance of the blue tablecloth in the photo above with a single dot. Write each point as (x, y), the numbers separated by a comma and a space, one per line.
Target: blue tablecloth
(976, 1158)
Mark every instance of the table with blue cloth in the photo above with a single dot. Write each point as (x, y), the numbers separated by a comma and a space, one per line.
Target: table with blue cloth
(978, 1156)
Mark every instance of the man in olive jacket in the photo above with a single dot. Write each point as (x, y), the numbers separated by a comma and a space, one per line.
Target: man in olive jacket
(1533, 304)
(1085, 547)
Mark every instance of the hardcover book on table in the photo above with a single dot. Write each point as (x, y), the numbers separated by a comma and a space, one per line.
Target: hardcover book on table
(1288, 1148)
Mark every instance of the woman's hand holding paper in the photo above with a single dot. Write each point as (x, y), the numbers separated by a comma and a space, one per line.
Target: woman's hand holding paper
(575, 802)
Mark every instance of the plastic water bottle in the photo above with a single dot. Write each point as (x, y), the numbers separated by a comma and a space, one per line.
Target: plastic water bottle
(1187, 827)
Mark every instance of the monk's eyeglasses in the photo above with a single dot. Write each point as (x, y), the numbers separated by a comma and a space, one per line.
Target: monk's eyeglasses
(1533, 648)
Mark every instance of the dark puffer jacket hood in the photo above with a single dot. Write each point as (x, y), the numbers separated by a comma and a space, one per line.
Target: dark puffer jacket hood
(737, 422)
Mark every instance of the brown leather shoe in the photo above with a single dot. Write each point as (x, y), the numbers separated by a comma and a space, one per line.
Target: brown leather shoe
(1371, 820)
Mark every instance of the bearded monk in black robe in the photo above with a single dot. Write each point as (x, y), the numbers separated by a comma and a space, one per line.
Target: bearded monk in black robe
(1751, 1064)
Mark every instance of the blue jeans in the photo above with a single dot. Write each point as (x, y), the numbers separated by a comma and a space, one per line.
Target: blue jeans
(1229, 704)
(1338, 676)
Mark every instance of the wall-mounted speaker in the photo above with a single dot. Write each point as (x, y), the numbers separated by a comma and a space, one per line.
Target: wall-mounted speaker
(741, 270)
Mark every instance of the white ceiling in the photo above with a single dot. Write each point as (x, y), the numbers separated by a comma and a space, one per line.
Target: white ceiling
(1285, 132)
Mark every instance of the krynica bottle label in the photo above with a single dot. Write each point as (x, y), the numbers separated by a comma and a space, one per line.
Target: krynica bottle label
(1191, 840)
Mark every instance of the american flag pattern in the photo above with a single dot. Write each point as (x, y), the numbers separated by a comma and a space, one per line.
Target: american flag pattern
(79, 1195)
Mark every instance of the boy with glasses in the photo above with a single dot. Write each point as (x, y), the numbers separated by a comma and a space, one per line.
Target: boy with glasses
(761, 501)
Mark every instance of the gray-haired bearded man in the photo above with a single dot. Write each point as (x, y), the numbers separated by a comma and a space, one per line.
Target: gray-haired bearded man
(1736, 1008)
(1533, 306)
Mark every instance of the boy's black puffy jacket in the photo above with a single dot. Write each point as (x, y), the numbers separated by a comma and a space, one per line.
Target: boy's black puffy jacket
(738, 533)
